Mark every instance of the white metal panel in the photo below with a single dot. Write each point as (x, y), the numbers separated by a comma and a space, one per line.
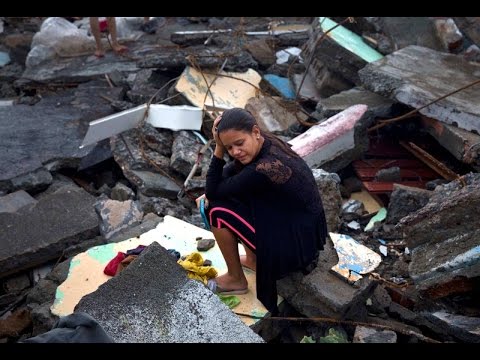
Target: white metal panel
(161, 116)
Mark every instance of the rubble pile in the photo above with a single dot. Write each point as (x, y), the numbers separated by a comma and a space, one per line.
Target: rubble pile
(384, 110)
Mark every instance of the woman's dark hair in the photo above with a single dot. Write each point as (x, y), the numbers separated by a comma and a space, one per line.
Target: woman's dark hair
(236, 119)
(242, 120)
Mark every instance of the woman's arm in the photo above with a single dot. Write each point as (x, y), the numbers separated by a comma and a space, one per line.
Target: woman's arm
(245, 182)
(229, 170)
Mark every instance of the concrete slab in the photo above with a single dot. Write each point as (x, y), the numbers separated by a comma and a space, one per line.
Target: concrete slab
(86, 269)
(465, 328)
(440, 264)
(41, 232)
(378, 105)
(462, 144)
(446, 216)
(336, 59)
(272, 113)
(416, 76)
(15, 201)
(153, 301)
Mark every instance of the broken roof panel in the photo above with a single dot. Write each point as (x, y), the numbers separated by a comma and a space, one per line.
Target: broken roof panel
(229, 91)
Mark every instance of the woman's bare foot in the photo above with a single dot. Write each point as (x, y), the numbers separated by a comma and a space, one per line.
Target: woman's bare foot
(247, 262)
(119, 49)
(99, 53)
(226, 282)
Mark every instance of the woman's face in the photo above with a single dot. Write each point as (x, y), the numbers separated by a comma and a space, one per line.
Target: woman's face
(242, 145)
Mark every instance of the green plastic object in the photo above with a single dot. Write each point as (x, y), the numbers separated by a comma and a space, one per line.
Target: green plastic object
(349, 40)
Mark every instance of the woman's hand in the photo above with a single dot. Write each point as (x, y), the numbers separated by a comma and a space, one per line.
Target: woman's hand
(197, 201)
(215, 130)
(219, 148)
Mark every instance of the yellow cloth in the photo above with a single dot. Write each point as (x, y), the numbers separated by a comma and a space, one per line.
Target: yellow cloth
(193, 263)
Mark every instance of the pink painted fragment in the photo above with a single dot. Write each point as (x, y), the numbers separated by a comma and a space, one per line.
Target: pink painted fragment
(323, 134)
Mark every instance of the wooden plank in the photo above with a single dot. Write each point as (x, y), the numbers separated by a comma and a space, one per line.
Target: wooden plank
(371, 204)
(419, 174)
(383, 149)
(431, 161)
(386, 187)
(386, 163)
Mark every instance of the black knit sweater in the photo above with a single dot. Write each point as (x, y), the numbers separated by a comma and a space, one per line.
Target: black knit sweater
(289, 220)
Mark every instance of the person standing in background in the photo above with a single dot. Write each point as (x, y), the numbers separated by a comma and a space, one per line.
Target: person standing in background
(112, 29)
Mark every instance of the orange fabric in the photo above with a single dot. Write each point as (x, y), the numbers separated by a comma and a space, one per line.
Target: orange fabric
(125, 262)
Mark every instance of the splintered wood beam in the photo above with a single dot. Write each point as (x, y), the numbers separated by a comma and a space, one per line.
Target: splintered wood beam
(430, 161)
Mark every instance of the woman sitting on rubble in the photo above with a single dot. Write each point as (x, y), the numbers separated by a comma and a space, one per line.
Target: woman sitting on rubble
(267, 199)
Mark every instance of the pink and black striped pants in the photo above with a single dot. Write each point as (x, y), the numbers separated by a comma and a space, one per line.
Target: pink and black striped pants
(235, 216)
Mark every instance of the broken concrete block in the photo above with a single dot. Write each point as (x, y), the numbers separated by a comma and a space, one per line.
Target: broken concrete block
(402, 77)
(16, 284)
(35, 181)
(445, 216)
(328, 186)
(462, 144)
(185, 151)
(391, 174)
(341, 138)
(321, 293)
(365, 334)
(308, 91)
(472, 53)
(341, 51)
(136, 307)
(405, 31)
(273, 114)
(438, 268)
(448, 33)
(378, 105)
(464, 328)
(405, 200)
(36, 234)
(116, 216)
(15, 324)
(122, 192)
(262, 51)
(15, 201)
(138, 168)
(205, 244)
